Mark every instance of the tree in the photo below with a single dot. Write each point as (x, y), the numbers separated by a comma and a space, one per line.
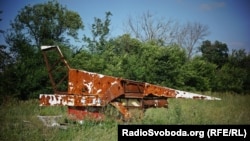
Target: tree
(40, 24)
(147, 27)
(216, 53)
(1, 31)
(95, 48)
(166, 32)
(189, 35)
(240, 59)
(127, 54)
(5, 62)
(5, 57)
(230, 78)
(165, 64)
(47, 23)
(100, 30)
(198, 74)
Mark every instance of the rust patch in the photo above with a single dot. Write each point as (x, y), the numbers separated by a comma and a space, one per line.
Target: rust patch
(124, 111)
(155, 103)
(158, 91)
(81, 113)
(88, 83)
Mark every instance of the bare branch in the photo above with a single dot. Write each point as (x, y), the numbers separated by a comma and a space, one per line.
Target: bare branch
(148, 27)
(190, 34)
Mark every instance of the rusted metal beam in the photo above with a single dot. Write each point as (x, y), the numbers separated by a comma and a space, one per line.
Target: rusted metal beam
(123, 110)
(46, 48)
(52, 64)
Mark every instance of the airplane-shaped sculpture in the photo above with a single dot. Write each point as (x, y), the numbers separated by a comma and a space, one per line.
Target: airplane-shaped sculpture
(87, 92)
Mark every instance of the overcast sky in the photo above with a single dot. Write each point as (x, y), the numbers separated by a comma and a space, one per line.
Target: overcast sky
(228, 20)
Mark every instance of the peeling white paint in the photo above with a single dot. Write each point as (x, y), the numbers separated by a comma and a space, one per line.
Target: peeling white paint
(71, 102)
(83, 100)
(98, 91)
(135, 104)
(46, 47)
(183, 94)
(115, 82)
(100, 75)
(53, 100)
(65, 103)
(94, 101)
(89, 86)
(68, 100)
(89, 73)
(71, 86)
(98, 101)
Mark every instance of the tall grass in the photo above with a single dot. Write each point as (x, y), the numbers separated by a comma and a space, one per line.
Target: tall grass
(232, 109)
(19, 122)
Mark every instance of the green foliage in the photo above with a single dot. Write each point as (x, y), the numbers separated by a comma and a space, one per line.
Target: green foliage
(100, 31)
(5, 58)
(230, 78)
(215, 53)
(241, 60)
(87, 61)
(129, 58)
(120, 54)
(198, 75)
(47, 23)
(30, 77)
(232, 72)
(25, 77)
(167, 65)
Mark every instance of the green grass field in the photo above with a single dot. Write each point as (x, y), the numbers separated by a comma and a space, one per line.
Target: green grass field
(19, 121)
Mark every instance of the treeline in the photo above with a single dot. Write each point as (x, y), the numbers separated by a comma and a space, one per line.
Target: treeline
(23, 73)
(214, 70)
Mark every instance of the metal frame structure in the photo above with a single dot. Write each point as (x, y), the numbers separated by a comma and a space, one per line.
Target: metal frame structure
(87, 92)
